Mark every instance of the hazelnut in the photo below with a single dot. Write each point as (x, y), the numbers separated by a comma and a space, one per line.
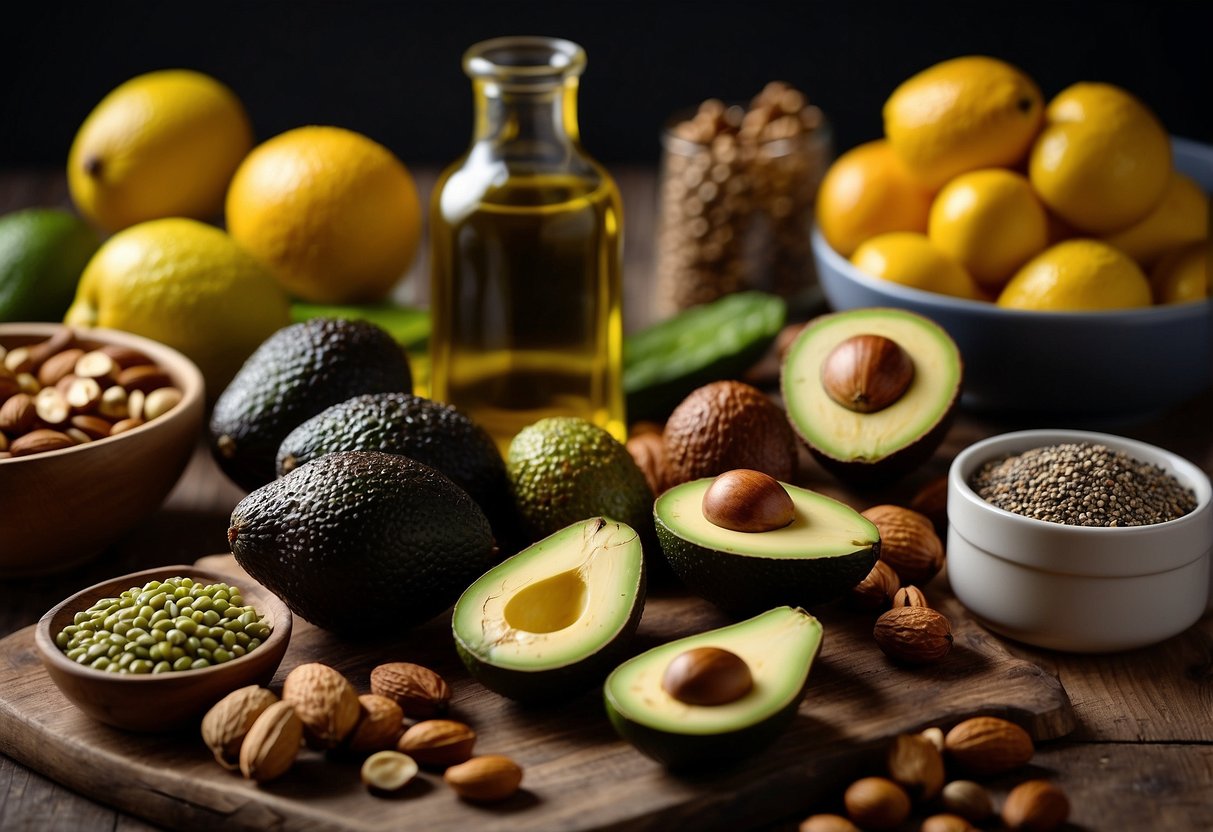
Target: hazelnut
(867, 373)
(968, 799)
(827, 823)
(876, 803)
(1035, 806)
(385, 772)
(946, 823)
(707, 676)
(748, 501)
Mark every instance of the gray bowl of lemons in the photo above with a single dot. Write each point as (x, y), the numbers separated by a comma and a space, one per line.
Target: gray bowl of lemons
(1063, 244)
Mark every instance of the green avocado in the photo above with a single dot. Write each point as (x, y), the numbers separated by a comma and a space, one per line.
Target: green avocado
(778, 646)
(297, 372)
(42, 254)
(866, 447)
(826, 549)
(565, 469)
(362, 543)
(553, 619)
(432, 433)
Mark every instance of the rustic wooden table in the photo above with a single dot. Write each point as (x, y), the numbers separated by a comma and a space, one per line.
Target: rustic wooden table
(1141, 757)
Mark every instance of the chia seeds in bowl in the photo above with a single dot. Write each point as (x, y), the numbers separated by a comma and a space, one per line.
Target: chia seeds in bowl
(1083, 484)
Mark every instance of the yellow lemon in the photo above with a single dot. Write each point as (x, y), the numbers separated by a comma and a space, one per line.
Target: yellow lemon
(961, 115)
(990, 222)
(164, 144)
(333, 214)
(867, 192)
(1076, 276)
(909, 258)
(1182, 275)
(1102, 160)
(1182, 216)
(185, 284)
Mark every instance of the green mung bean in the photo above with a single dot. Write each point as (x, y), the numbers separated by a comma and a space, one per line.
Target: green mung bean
(163, 627)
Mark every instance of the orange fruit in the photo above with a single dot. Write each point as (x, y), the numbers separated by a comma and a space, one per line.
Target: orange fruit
(333, 214)
(961, 115)
(867, 192)
(1102, 161)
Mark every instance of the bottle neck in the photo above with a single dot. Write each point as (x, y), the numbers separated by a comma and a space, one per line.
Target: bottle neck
(533, 122)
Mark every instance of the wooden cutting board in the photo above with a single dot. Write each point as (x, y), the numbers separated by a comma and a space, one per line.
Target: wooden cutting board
(579, 775)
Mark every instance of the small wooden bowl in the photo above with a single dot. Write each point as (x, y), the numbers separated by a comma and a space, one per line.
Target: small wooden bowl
(165, 700)
(63, 507)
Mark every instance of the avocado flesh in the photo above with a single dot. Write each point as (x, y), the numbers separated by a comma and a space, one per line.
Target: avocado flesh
(779, 647)
(552, 618)
(826, 549)
(837, 434)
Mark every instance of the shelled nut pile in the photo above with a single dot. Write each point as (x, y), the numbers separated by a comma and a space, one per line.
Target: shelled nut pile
(62, 392)
(737, 198)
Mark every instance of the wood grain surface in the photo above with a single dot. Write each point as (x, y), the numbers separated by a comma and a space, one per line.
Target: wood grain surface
(1140, 757)
(578, 774)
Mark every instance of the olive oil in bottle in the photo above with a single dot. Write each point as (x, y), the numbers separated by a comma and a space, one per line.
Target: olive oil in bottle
(526, 238)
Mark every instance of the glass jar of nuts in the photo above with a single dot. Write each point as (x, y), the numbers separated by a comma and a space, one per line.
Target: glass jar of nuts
(736, 198)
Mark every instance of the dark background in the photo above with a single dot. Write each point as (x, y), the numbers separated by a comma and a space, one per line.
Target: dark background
(392, 70)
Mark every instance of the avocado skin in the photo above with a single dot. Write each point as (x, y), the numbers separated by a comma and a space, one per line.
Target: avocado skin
(362, 543)
(687, 752)
(559, 683)
(434, 434)
(746, 585)
(297, 372)
(565, 469)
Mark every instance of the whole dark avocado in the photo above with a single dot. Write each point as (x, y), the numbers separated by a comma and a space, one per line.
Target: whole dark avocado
(297, 372)
(432, 433)
(362, 543)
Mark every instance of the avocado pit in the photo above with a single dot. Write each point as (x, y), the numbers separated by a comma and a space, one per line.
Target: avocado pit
(867, 373)
(744, 500)
(707, 676)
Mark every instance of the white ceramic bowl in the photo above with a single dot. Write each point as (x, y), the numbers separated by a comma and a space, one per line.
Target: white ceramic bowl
(1092, 364)
(1081, 589)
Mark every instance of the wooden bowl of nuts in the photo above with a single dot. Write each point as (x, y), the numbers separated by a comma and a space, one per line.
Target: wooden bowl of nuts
(96, 427)
(152, 650)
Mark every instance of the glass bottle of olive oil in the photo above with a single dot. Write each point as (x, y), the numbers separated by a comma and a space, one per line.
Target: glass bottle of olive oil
(526, 247)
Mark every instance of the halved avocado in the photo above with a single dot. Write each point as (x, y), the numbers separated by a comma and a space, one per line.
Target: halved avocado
(826, 549)
(779, 647)
(552, 619)
(873, 448)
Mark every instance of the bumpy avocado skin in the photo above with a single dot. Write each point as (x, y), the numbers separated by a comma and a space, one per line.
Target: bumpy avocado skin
(435, 434)
(362, 543)
(297, 372)
(565, 469)
(745, 586)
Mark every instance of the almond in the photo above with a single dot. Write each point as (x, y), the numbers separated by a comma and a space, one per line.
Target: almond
(272, 743)
(987, 745)
(8, 383)
(63, 339)
(876, 591)
(18, 361)
(123, 425)
(916, 765)
(380, 723)
(876, 803)
(913, 635)
(438, 743)
(83, 394)
(145, 377)
(946, 823)
(113, 403)
(827, 823)
(94, 426)
(58, 365)
(229, 720)
(125, 356)
(51, 406)
(420, 692)
(388, 771)
(968, 799)
(908, 543)
(40, 441)
(97, 365)
(159, 401)
(485, 779)
(17, 414)
(910, 596)
(325, 701)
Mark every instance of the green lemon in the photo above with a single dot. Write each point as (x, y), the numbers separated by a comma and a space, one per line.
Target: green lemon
(42, 253)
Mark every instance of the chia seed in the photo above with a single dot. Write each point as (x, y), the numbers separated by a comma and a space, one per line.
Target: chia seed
(1083, 484)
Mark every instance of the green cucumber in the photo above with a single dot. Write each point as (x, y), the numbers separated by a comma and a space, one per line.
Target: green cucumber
(720, 340)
